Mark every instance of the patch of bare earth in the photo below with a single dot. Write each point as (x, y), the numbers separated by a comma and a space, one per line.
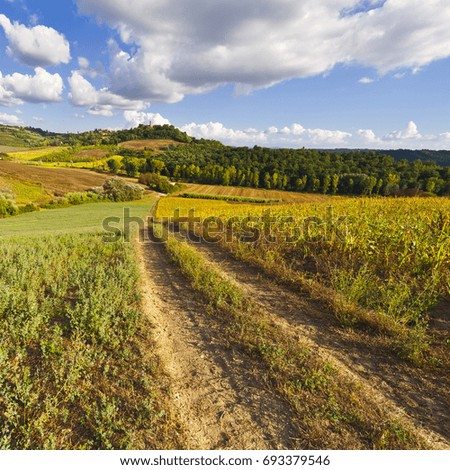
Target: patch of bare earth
(216, 392)
(419, 394)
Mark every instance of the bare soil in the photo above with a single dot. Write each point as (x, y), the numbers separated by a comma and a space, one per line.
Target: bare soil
(217, 394)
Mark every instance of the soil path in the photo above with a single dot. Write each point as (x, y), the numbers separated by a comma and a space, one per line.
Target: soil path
(216, 392)
(422, 394)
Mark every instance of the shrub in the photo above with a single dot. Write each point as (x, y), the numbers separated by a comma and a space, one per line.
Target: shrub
(28, 208)
(82, 198)
(7, 205)
(119, 190)
(159, 183)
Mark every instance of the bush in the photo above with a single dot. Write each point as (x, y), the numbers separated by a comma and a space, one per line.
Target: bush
(119, 190)
(28, 208)
(7, 205)
(82, 198)
(159, 183)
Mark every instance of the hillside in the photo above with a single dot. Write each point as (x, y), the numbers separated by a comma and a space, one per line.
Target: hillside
(56, 181)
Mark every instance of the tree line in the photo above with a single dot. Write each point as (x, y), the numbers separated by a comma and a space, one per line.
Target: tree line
(304, 170)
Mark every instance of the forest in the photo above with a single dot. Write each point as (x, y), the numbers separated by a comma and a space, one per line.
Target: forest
(303, 170)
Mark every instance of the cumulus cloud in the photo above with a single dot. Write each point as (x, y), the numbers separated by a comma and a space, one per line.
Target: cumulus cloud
(217, 131)
(10, 119)
(295, 135)
(35, 46)
(42, 87)
(193, 46)
(134, 118)
(411, 132)
(408, 138)
(99, 102)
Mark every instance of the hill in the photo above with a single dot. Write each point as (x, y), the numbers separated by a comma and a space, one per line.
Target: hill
(56, 181)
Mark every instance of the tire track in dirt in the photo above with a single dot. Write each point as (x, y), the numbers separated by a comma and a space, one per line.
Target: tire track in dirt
(217, 395)
(421, 394)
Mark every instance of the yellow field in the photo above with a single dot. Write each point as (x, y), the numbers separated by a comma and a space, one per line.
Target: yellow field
(35, 153)
(390, 257)
(24, 192)
(158, 145)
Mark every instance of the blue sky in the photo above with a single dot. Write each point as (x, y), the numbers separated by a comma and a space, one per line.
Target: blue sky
(313, 73)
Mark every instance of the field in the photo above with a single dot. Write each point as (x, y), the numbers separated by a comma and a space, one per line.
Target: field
(33, 154)
(316, 322)
(77, 369)
(383, 263)
(56, 181)
(84, 218)
(23, 192)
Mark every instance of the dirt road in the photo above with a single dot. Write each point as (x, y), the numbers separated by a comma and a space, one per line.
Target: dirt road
(217, 394)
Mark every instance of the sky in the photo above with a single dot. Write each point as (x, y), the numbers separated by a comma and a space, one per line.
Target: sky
(277, 73)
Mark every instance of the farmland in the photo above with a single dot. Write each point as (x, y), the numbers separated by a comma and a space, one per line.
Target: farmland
(384, 263)
(76, 364)
(53, 180)
(267, 318)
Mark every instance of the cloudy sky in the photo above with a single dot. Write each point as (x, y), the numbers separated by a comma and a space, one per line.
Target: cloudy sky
(313, 73)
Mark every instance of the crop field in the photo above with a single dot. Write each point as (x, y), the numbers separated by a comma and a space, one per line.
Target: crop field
(53, 180)
(84, 218)
(77, 369)
(23, 192)
(384, 263)
(33, 154)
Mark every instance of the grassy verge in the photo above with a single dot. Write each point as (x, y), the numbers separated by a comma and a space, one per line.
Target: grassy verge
(75, 366)
(331, 410)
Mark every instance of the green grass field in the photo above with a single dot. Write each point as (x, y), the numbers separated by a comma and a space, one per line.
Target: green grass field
(84, 218)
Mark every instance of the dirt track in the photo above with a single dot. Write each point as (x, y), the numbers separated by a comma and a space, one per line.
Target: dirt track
(422, 394)
(218, 396)
(216, 391)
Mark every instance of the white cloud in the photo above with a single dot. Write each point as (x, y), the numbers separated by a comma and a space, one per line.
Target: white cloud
(100, 102)
(409, 138)
(295, 135)
(191, 47)
(368, 136)
(35, 46)
(217, 131)
(42, 87)
(10, 119)
(366, 80)
(411, 132)
(134, 118)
